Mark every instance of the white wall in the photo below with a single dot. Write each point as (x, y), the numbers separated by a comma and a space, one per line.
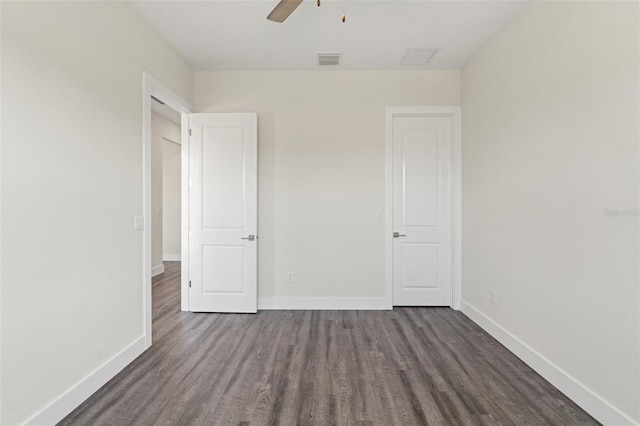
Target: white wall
(321, 169)
(550, 142)
(161, 128)
(171, 175)
(71, 185)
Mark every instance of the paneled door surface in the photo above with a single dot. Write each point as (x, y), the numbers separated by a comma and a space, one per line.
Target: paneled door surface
(421, 187)
(223, 212)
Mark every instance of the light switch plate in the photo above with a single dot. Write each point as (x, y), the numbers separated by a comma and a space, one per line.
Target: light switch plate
(138, 223)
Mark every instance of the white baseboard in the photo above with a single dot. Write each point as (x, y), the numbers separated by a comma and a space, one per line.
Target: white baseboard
(588, 400)
(157, 270)
(323, 303)
(73, 397)
(171, 257)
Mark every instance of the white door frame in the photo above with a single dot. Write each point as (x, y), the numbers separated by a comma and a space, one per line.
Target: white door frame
(153, 87)
(455, 113)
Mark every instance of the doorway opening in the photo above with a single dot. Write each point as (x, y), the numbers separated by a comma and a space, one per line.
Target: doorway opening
(165, 189)
(165, 186)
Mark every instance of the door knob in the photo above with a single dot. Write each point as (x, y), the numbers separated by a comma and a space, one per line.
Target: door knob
(250, 238)
(398, 235)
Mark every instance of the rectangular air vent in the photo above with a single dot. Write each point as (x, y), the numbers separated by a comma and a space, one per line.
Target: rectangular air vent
(419, 57)
(325, 59)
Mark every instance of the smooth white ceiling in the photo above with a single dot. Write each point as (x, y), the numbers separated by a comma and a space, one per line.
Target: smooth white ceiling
(235, 35)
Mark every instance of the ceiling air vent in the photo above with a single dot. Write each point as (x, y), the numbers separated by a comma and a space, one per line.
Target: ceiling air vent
(419, 57)
(325, 59)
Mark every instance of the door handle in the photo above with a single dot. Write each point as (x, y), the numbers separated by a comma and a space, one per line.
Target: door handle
(250, 238)
(398, 235)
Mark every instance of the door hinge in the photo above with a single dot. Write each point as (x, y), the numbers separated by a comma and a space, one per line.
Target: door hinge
(189, 283)
(189, 132)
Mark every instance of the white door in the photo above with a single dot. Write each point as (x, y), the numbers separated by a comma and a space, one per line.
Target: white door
(223, 212)
(421, 214)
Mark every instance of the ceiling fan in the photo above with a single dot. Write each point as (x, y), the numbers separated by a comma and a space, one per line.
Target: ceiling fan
(284, 9)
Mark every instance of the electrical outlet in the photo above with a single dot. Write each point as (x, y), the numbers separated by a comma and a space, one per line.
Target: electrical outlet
(290, 277)
(493, 297)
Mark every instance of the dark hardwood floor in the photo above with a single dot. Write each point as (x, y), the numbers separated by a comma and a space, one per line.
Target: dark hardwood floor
(409, 366)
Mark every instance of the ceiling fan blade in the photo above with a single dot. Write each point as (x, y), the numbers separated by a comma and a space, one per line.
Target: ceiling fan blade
(283, 10)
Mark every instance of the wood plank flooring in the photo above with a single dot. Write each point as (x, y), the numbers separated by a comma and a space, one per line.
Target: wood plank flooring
(409, 366)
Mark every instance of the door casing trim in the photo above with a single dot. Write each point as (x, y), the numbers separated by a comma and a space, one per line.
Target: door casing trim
(455, 113)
